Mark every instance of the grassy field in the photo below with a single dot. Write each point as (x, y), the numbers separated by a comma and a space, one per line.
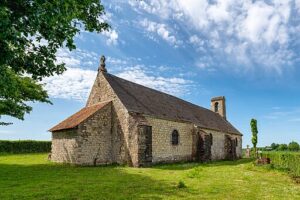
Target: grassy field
(31, 176)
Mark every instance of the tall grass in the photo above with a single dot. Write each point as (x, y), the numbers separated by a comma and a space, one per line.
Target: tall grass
(285, 160)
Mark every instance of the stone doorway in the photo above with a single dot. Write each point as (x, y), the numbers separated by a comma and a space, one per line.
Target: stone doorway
(230, 148)
(145, 145)
(203, 146)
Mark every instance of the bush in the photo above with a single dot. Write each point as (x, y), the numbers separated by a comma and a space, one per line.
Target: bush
(181, 184)
(285, 160)
(24, 146)
(294, 146)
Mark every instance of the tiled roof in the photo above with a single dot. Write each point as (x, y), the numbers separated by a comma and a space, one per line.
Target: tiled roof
(140, 99)
(78, 117)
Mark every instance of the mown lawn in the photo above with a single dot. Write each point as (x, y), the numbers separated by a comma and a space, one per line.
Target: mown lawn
(31, 176)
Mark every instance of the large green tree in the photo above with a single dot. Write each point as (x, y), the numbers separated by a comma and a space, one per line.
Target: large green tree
(31, 32)
(294, 146)
(254, 131)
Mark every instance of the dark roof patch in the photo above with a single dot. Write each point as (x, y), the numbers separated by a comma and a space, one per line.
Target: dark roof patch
(144, 100)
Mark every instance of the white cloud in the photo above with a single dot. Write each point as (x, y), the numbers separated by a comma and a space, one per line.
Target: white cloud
(112, 37)
(77, 58)
(161, 30)
(194, 39)
(158, 7)
(253, 34)
(172, 85)
(265, 23)
(75, 83)
(297, 5)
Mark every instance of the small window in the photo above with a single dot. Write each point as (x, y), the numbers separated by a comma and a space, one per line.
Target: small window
(175, 137)
(216, 106)
(211, 139)
(236, 141)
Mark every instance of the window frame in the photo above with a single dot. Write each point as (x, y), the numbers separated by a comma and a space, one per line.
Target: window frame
(175, 137)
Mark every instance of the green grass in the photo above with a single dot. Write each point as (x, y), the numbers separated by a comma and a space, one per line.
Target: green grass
(31, 176)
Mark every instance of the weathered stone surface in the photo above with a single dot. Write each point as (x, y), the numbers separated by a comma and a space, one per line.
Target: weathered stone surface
(162, 148)
(64, 146)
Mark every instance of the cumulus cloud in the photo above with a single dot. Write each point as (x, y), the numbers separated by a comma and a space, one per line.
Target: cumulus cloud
(250, 33)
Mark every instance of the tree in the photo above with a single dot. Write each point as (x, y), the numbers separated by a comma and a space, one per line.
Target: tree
(274, 146)
(31, 32)
(282, 147)
(294, 146)
(254, 131)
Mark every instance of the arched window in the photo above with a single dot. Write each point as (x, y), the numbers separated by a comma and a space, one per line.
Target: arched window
(175, 137)
(216, 106)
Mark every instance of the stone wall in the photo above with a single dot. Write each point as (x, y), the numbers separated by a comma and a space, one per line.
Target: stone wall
(95, 139)
(162, 148)
(239, 146)
(218, 146)
(123, 125)
(101, 91)
(64, 146)
(88, 144)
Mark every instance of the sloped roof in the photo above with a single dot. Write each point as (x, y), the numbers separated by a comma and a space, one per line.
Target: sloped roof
(144, 100)
(77, 118)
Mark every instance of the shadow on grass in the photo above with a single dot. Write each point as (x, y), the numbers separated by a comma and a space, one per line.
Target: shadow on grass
(51, 181)
(189, 165)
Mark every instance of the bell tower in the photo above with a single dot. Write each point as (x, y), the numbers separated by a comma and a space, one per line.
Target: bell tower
(218, 106)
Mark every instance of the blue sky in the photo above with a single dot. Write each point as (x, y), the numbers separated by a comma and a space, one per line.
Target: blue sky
(245, 50)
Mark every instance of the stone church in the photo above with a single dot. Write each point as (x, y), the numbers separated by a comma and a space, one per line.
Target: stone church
(127, 123)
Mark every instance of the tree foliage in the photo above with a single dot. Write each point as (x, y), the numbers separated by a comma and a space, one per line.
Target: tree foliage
(274, 146)
(31, 32)
(294, 146)
(254, 131)
(282, 147)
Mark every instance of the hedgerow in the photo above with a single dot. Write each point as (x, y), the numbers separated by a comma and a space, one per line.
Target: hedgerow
(24, 146)
(285, 160)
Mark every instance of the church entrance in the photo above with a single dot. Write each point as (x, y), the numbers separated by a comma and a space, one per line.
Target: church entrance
(145, 145)
(230, 148)
(203, 146)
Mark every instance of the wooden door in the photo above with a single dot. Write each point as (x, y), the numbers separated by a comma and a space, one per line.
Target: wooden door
(145, 145)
